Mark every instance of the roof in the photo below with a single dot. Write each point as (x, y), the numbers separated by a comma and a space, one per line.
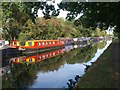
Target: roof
(35, 40)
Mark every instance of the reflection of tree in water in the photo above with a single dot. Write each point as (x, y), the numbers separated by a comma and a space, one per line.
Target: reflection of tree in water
(81, 55)
(101, 44)
(6, 82)
(50, 64)
(24, 76)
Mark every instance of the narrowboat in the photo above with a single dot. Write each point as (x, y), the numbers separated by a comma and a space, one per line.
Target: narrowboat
(35, 45)
(82, 40)
(4, 44)
(95, 39)
(4, 48)
(67, 41)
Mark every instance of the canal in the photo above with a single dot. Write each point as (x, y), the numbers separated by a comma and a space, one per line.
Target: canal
(53, 72)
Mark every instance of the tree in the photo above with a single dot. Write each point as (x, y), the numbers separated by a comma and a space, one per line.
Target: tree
(13, 18)
(94, 13)
(16, 14)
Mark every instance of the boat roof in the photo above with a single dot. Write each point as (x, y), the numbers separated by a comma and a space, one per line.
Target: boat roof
(42, 40)
(35, 40)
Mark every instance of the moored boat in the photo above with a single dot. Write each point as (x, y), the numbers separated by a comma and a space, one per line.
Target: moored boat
(35, 45)
(67, 41)
(4, 44)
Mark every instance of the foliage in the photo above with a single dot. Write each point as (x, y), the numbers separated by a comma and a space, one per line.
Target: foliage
(13, 18)
(95, 14)
(47, 29)
(21, 22)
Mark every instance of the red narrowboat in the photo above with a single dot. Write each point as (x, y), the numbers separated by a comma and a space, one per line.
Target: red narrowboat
(32, 45)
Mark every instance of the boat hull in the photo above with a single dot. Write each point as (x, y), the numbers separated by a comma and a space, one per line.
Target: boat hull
(35, 50)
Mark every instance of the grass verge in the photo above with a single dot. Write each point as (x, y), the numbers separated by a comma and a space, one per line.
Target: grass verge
(103, 73)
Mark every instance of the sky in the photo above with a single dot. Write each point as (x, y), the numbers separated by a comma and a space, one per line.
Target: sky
(62, 13)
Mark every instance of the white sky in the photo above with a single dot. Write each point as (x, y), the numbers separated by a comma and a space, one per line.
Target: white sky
(110, 30)
(62, 13)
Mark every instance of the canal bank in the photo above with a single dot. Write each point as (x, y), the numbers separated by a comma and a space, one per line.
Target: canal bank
(104, 72)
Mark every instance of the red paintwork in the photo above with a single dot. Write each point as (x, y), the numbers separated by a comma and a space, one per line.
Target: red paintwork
(12, 45)
(37, 57)
(47, 43)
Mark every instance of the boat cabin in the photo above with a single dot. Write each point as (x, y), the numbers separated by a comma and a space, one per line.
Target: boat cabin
(36, 43)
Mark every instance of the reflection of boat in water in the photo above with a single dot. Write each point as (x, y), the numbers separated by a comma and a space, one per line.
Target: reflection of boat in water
(89, 41)
(40, 57)
(68, 48)
(81, 46)
(4, 67)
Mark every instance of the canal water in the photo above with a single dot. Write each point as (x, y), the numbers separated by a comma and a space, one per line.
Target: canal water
(54, 72)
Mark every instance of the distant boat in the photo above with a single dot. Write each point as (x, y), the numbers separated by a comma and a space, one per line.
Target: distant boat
(67, 41)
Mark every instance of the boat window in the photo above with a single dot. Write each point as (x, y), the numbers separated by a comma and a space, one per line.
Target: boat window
(43, 43)
(14, 43)
(54, 53)
(53, 42)
(46, 43)
(46, 55)
(49, 42)
(39, 57)
(43, 56)
(18, 44)
(30, 60)
(15, 60)
(30, 43)
(22, 43)
(38, 43)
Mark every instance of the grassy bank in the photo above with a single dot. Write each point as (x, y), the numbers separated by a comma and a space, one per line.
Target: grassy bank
(103, 73)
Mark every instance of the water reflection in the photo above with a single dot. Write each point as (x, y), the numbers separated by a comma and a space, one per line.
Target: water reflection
(37, 57)
(54, 68)
(102, 46)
